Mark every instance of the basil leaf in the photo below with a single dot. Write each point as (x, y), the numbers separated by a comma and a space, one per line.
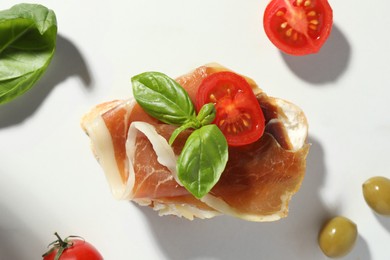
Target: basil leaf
(163, 98)
(206, 114)
(202, 160)
(27, 45)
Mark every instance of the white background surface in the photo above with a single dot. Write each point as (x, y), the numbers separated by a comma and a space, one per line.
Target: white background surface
(49, 180)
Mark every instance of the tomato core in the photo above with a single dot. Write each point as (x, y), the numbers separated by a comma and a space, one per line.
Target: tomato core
(238, 113)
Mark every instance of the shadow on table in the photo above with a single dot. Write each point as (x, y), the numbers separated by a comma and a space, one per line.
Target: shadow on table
(327, 65)
(384, 221)
(360, 250)
(67, 62)
(15, 237)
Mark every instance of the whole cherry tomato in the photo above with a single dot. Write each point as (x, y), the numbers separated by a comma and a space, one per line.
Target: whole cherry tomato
(71, 248)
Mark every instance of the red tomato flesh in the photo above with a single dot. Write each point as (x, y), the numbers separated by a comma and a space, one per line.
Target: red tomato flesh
(238, 113)
(298, 27)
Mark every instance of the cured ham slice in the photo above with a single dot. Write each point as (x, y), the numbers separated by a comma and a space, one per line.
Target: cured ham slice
(257, 183)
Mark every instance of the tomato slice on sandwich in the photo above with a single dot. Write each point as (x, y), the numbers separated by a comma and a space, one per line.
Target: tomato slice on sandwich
(238, 113)
(298, 27)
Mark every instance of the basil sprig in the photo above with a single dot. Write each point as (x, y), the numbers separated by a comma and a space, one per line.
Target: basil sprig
(203, 160)
(205, 153)
(27, 45)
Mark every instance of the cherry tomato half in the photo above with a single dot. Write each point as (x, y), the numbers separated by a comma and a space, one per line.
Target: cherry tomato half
(72, 248)
(298, 27)
(238, 113)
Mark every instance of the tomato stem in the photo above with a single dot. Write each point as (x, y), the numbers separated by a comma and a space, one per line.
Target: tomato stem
(61, 242)
(62, 246)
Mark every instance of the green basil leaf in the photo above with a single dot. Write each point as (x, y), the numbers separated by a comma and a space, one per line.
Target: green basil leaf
(163, 98)
(27, 45)
(206, 114)
(202, 160)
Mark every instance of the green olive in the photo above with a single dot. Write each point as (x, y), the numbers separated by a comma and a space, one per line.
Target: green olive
(376, 192)
(337, 237)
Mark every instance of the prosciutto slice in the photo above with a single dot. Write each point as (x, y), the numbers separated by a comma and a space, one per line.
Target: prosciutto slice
(140, 165)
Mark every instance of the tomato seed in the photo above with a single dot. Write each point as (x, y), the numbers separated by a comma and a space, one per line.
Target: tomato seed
(295, 36)
(248, 116)
(289, 32)
(234, 129)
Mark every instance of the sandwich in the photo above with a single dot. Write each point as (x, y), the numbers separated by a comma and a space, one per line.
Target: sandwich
(245, 157)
